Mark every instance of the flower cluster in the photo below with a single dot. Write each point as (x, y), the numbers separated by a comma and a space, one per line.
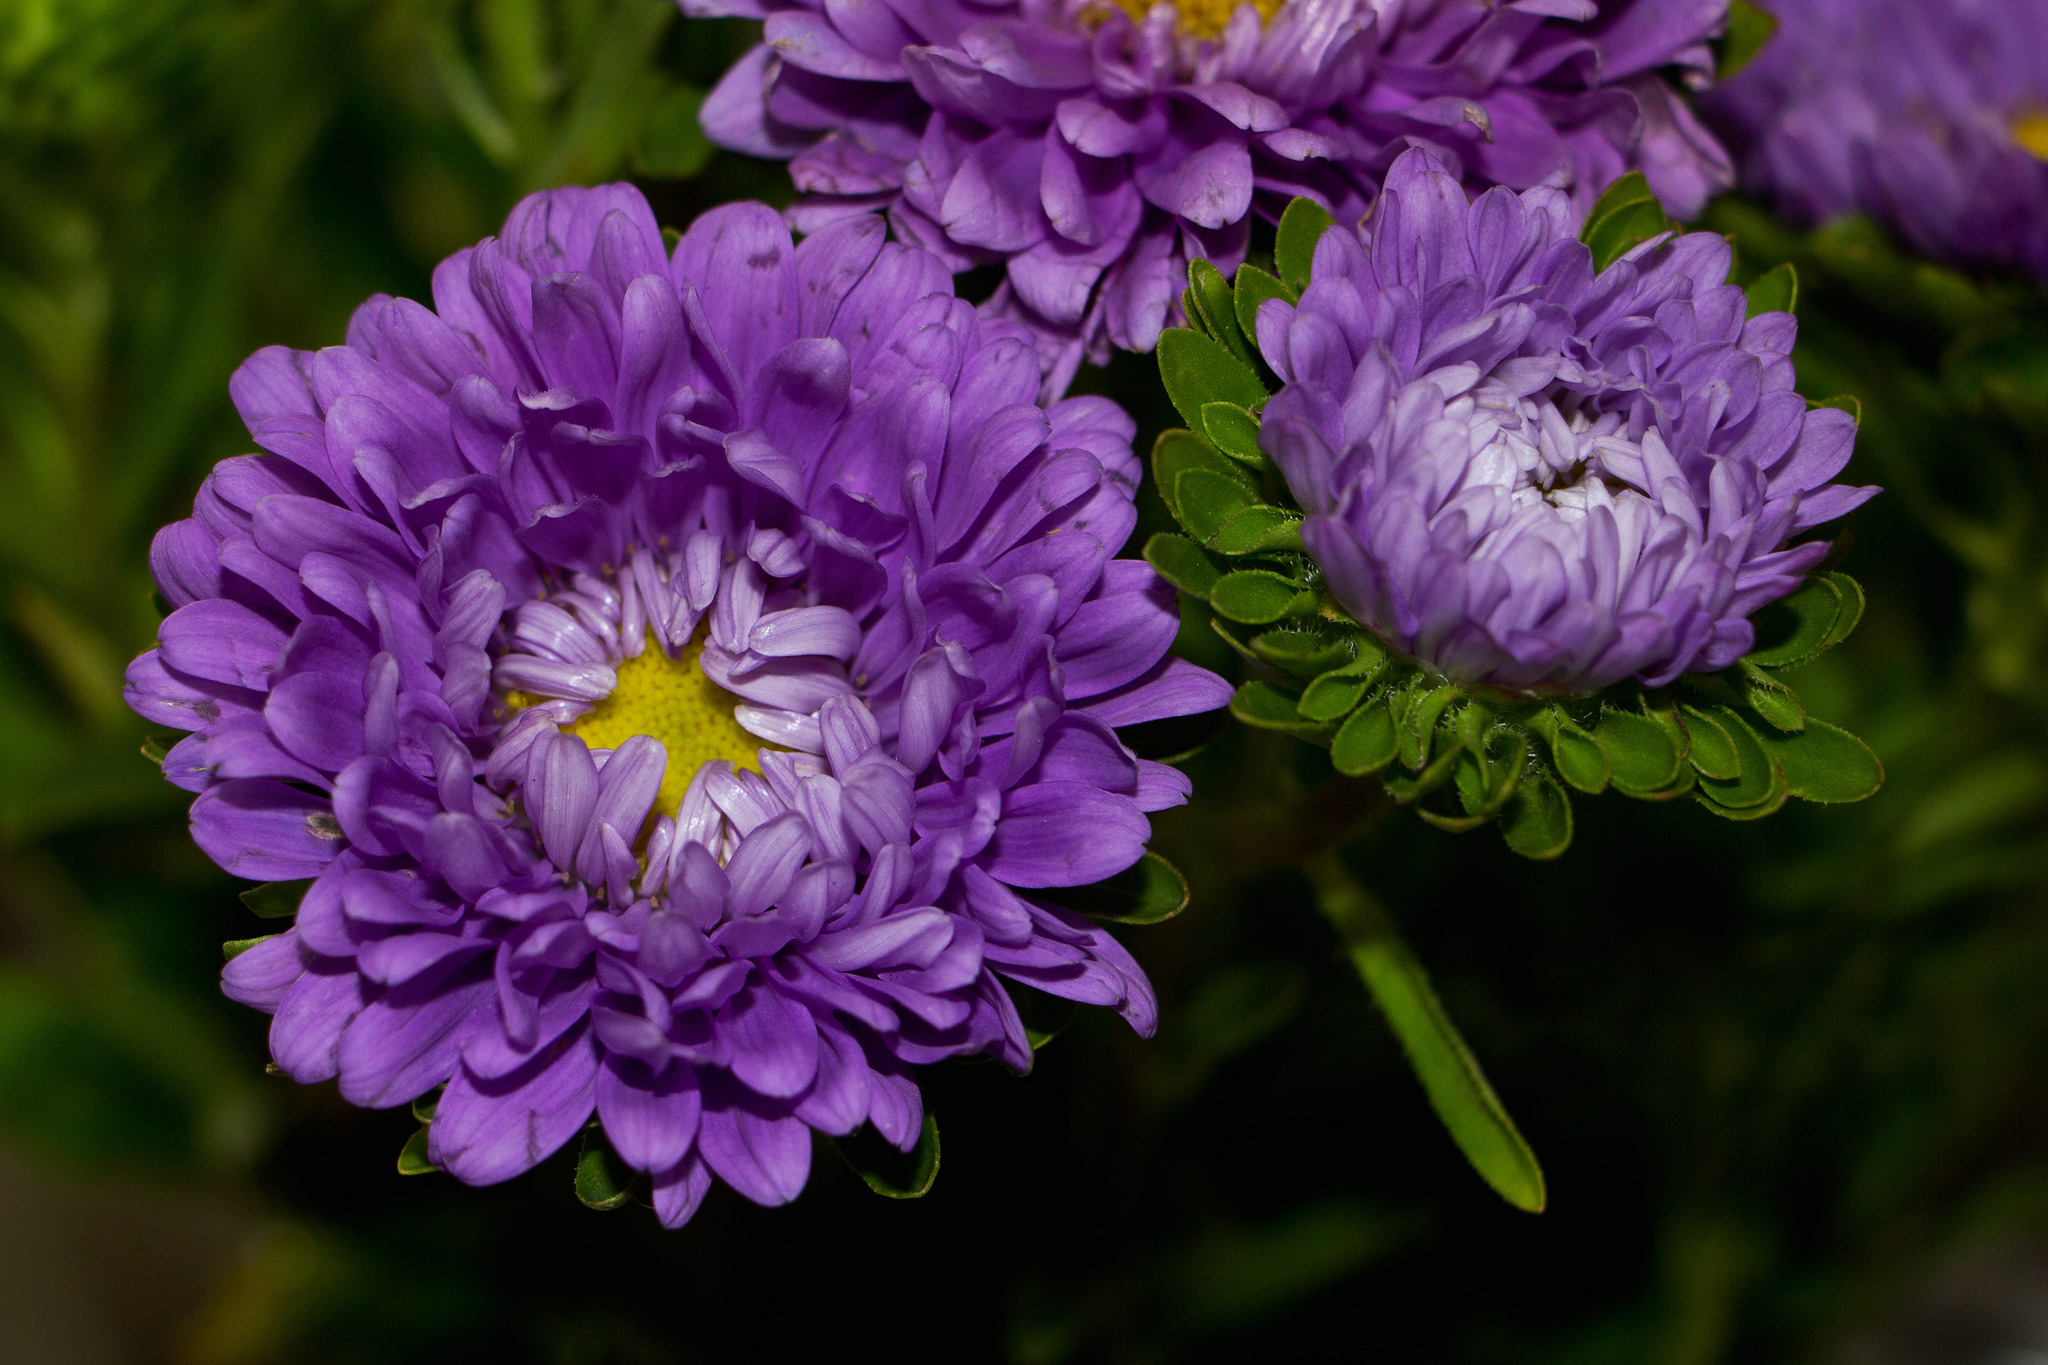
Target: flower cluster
(1096, 149)
(1930, 115)
(1528, 475)
(672, 674)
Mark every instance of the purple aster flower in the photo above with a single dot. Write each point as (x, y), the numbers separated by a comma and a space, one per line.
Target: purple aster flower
(673, 674)
(1527, 475)
(1929, 115)
(1096, 149)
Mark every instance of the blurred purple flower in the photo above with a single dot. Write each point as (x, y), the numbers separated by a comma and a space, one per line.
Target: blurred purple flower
(1096, 150)
(1529, 476)
(1929, 115)
(488, 646)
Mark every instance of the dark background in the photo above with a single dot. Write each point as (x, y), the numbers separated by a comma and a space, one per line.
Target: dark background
(1786, 1078)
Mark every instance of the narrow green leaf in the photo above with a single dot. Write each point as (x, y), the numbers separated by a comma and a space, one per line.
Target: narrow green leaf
(1208, 500)
(1235, 431)
(1197, 370)
(1263, 529)
(1743, 34)
(1537, 822)
(1712, 748)
(1826, 763)
(1756, 778)
(1218, 310)
(412, 1158)
(235, 947)
(893, 1174)
(1451, 1076)
(276, 900)
(1254, 287)
(1771, 699)
(1257, 596)
(1640, 754)
(1366, 743)
(1796, 627)
(1182, 563)
(597, 1185)
(1302, 225)
(1775, 291)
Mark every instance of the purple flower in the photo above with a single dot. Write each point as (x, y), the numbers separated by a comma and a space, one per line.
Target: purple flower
(1527, 475)
(1929, 115)
(673, 674)
(1097, 150)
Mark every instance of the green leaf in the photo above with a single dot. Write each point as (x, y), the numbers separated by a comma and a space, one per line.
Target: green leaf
(1254, 287)
(1756, 778)
(888, 1172)
(235, 947)
(1576, 755)
(276, 900)
(1710, 747)
(1851, 593)
(1235, 431)
(1774, 291)
(1451, 1076)
(1537, 822)
(1826, 763)
(1197, 370)
(1207, 500)
(1182, 563)
(1627, 214)
(1307, 653)
(1302, 225)
(1263, 529)
(1743, 34)
(1796, 627)
(1771, 699)
(1640, 754)
(597, 1185)
(1257, 596)
(1217, 309)
(1366, 743)
(412, 1158)
(1150, 891)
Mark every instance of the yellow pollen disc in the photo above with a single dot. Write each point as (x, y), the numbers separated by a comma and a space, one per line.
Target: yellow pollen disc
(1202, 18)
(2031, 132)
(673, 701)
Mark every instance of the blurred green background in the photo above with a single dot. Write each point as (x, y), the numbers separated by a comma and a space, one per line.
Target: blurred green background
(1786, 1078)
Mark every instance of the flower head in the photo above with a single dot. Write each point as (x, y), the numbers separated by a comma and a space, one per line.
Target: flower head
(1096, 149)
(1929, 115)
(1528, 475)
(672, 674)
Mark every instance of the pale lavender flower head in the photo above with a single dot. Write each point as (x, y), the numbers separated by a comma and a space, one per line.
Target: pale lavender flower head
(674, 675)
(1533, 477)
(1929, 115)
(1095, 150)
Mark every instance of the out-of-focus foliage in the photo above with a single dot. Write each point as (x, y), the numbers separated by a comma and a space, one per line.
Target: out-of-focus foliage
(1773, 1072)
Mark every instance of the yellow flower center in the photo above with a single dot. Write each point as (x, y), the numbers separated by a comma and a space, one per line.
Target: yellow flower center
(673, 701)
(1202, 18)
(2031, 132)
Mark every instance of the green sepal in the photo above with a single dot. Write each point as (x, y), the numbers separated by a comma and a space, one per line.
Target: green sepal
(888, 1172)
(597, 1185)
(1210, 293)
(1852, 609)
(1307, 653)
(1825, 763)
(1841, 402)
(1641, 757)
(1150, 891)
(1333, 695)
(1265, 707)
(1625, 216)
(1774, 291)
(1711, 747)
(1802, 624)
(1178, 450)
(156, 749)
(235, 947)
(1537, 822)
(412, 1158)
(1418, 723)
(1773, 800)
(1771, 699)
(1182, 563)
(1743, 34)
(1302, 225)
(1257, 597)
(1254, 287)
(1235, 431)
(1366, 743)
(1208, 500)
(276, 900)
(1261, 529)
(1198, 370)
(1756, 779)
(1576, 755)
(425, 1106)
(1407, 791)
